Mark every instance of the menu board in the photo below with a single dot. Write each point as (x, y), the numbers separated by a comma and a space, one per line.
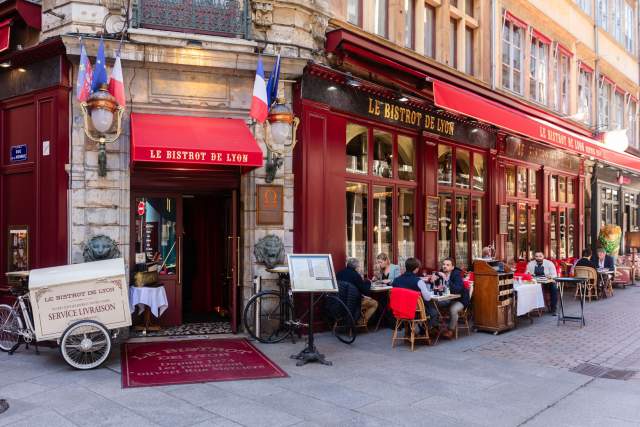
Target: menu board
(312, 273)
(431, 213)
(503, 219)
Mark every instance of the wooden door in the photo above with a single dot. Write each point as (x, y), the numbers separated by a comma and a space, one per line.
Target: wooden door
(157, 239)
(233, 253)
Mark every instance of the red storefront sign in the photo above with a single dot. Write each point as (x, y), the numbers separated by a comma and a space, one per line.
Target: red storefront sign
(5, 34)
(469, 104)
(140, 208)
(193, 140)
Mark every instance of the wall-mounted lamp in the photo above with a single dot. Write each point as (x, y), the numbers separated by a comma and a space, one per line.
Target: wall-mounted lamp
(279, 131)
(99, 112)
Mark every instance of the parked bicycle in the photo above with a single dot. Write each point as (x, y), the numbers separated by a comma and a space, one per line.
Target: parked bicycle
(269, 316)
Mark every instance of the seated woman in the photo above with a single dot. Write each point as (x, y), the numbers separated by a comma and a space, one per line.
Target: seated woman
(386, 270)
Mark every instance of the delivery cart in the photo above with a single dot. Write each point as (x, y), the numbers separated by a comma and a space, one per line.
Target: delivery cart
(81, 306)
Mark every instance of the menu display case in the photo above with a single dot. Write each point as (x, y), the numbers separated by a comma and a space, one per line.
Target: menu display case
(493, 297)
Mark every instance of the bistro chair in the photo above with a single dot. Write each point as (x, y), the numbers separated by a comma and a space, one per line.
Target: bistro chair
(591, 275)
(408, 308)
(465, 315)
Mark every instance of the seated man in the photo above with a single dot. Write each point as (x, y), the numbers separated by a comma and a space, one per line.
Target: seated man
(350, 274)
(585, 261)
(602, 260)
(410, 280)
(451, 277)
(543, 267)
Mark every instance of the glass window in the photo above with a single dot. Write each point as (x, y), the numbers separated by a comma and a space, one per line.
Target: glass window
(562, 189)
(538, 72)
(406, 158)
(512, 57)
(444, 220)
(523, 232)
(553, 188)
(604, 104)
(629, 27)
(156, 232)
(603, 17)
(462, 231)
(585, 5)
(533, 184)
(533, 212)
(453, 43)
(511, 180)
(570, 195)
(571, 233)
(477, 220)
(632, 124)
(462, 168)
(354, 10)
(619, 111)
(479, 174)
(429, 31)
(563, 76)
(409, 19)
(554, 237)
(357, 146)
(405, 227)
(523, 174)
(382, 220)
(382, 154)
(357, 222)
(563, 233)
(510, 250)
(380, 9)
(468, 7)
(445, 169)
(468, 52)
(584, 96)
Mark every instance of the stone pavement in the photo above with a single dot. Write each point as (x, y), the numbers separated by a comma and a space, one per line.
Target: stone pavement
(518, 378)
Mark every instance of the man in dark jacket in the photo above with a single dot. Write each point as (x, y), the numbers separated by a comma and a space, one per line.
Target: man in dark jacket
(350, 274)
(585, 261)
(451, 277)
(602, 260)
(410, 280)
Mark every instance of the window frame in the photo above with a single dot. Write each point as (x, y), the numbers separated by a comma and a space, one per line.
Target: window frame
(409, 21)
(360, 12)
(585, 86)
(454, 48)
(605, 90)
(529, 201)
(563, 81)
(539, 55)
(557, 207)
(377, 4)
(512, 28)
(632, 122)
(432, 31)
(469, 50)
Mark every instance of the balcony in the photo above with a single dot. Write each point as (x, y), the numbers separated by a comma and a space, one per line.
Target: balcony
(228, 18)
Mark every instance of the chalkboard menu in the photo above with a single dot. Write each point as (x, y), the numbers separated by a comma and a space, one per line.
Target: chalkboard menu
(431, 213)
(503, 219)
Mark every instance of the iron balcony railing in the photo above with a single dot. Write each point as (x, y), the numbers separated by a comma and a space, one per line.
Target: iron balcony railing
(229, 18)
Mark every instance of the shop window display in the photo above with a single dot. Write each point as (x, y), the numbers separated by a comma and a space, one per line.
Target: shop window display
(156, 234)
(356, 231)
(522, 200)
(357, 147)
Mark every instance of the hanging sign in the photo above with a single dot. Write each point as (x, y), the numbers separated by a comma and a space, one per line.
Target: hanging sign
(18, 153)
(140, 208)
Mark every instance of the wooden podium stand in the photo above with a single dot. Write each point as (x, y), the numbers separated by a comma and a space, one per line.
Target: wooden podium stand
(493, 297)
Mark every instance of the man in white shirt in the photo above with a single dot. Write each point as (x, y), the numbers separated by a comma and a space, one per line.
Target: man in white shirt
(543, 267)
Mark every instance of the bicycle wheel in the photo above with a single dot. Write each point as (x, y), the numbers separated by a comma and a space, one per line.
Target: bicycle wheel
(339, 319)
(85, 344)
(10, 325)
(267, 317)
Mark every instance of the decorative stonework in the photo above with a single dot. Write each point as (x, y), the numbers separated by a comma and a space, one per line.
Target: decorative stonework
(269, 251)
(100, 247)
(318, 27)
(262, 13)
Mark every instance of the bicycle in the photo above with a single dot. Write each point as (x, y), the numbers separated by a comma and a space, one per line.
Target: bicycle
(269, 316)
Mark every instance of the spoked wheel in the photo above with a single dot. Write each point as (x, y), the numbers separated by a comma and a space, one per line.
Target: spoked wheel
(10, 324)
(85, 344)
(268, 318)
(339, 319)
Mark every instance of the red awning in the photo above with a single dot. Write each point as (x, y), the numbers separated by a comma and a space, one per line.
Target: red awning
(5, 33)
(469, 104)
(193, 141)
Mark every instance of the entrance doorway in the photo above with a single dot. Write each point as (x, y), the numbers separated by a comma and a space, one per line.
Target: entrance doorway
(192, 241)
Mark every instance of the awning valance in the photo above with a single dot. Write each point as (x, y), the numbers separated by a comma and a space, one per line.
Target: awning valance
(5, 34)
(464, 102)
(194, 141)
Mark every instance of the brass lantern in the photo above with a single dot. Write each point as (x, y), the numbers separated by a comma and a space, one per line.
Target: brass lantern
(100, 112)
(280, 131)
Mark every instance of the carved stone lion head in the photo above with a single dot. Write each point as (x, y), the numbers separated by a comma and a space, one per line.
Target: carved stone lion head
(269, 250)
(100, 247)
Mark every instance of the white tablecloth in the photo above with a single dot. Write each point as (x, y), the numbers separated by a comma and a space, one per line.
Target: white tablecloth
(155, 298)
(529, 297)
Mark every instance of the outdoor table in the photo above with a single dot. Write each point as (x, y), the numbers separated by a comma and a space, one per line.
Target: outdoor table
(581, 283)
(604, 276)
(151, 300)
(529, 297)
(385, 305)
(435, 299)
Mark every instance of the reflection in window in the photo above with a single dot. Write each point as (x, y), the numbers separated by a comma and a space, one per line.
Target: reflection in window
(522, 181)
(156, 233)
(357, 223)
(570, 197)
(462, 232)
(405, 227)
(380, 8)
(357, 146)
(353, 11)
(510, 250)
(478, 172)
(429, 31)
(382, 154)
(554, 238)
(562, 189)
(476, 219)
(445, 174)
(462, 168)
(553, 188)
(406, 158)
(510, 172)
(571, 232)
(533, 231)
(523, 235)
(409, 8)
(444, 220)
(382, 220)
(563, 233)
(533, 184)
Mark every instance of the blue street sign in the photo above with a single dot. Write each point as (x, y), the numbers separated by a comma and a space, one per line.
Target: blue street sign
(18, 153)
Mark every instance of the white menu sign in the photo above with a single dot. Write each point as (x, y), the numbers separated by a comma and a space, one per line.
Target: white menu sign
(312, 273)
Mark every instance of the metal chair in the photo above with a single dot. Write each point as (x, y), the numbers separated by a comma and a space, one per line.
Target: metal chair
(464, 315)
(592, 282)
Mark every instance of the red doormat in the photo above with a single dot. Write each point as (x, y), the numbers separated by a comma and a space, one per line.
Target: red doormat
(193, 361)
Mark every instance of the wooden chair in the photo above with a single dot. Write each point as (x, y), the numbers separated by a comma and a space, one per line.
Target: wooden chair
(464, 316)
(411, 327)
(592, 282)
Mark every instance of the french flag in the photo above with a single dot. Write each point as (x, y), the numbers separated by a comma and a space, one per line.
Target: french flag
(116, 83)
(85, 75)
(259, 107)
